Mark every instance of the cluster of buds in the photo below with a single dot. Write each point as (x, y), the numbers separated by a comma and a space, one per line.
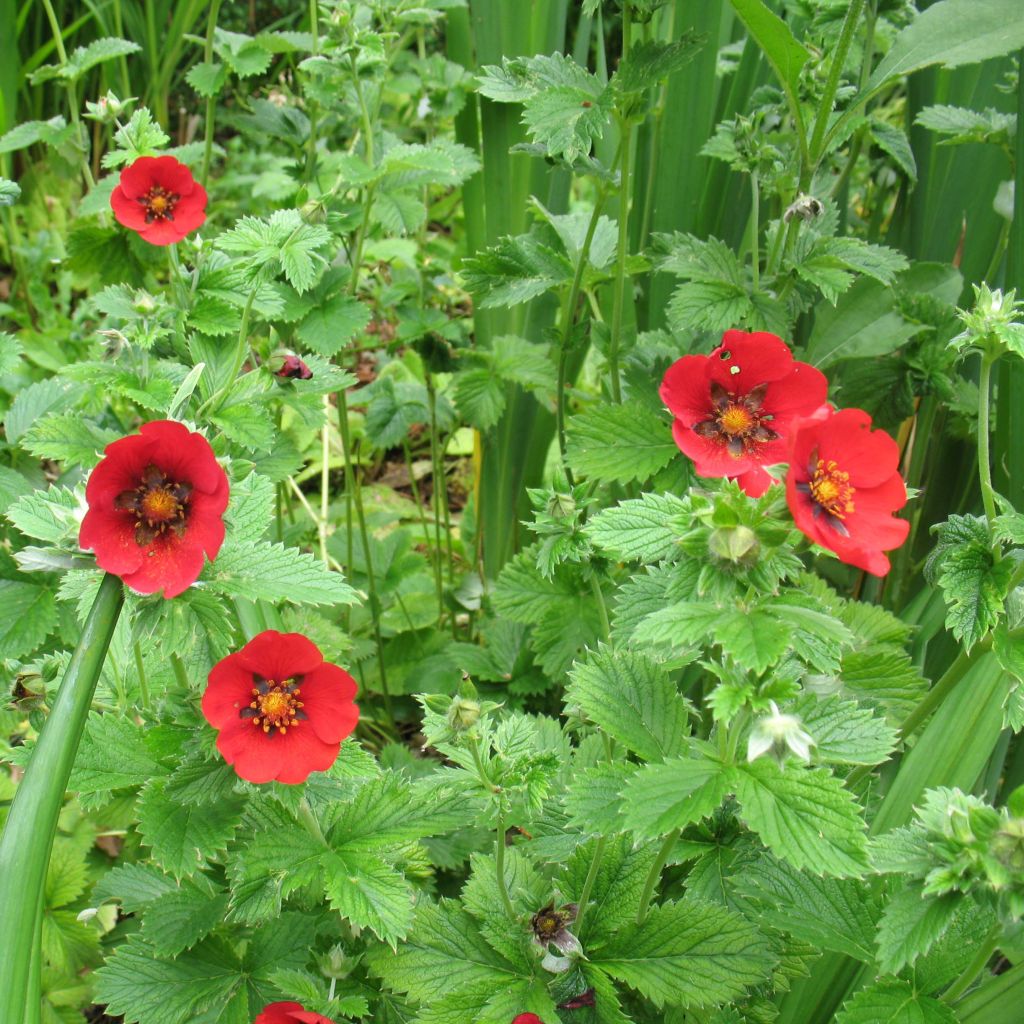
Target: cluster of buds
(108, 108)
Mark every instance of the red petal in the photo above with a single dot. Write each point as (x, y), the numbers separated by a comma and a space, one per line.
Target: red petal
(711, 457)
(280, 655)
(801, 392)
(870, 456)
(111, 536)
(686, 390)
(258, 757)
(308, 1017)
(185, 456)
(168, 564)
(228, 691)
(755, 482)
(327, 696)
(744, 360)
(128, 212)
(277, 1013)
(205, 527)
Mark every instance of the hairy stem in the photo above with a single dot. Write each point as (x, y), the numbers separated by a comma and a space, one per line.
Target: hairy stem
(654, 874)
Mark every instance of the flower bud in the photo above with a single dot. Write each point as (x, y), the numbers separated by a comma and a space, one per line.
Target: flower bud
(293, 368)
(144, 304)
(463, 713)
(1008, 846)
(736, 544)
(336, 963)
(779, 734)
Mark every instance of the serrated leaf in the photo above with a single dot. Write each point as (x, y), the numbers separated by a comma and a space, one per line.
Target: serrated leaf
(804, 816)
(68, 438)
(183, 837)
(480, 397)
(688, 953)
(707, 305)
(369, 893)
(894, 1002)
(52, 395)
(651, 60)
(250, 509)
(443, 953)
(644, 529)
(178, 920)
(272, 572)
(837, 914)
(514, 271)
(633, 699)
(28, 615)
(329, 327)
(113, 755)
(593, 801)
(619, 443)
(911, 923)
(51, 515)
(146, 990)
(662, 797)
(844, 733)
(248, 425)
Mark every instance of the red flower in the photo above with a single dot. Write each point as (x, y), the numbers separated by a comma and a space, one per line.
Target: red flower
(289, 1013)
(282, 711)
(158, 197)
(527, 1018)
(294, 368)
(734, 409)
(155, 505)
(843, 487)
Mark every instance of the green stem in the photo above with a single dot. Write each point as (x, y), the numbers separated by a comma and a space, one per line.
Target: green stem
(140, 668)
(351, 480)
(32, 820)
(436, 560)
(499, 868)
(602, 608)
(211, 101)
(34, 991)
(828, 97)
(325, 479)
(976, 966)
(308, 818)
(622, 251)
(180, 673)
(440, 484)
(755, 231)
(588, 883)
(62, 56)
(654, 874)
(984, 437)
(217, 400)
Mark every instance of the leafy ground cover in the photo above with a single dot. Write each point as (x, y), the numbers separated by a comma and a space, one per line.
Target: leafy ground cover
(510, 512)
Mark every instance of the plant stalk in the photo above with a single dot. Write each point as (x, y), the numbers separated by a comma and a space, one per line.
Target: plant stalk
(654, 874)
(32, 821)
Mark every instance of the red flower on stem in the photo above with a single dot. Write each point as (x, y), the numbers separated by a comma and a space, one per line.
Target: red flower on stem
(156, 502)
(158, 197)
(281, 710)
(843, 487)
(289, 1013)
(735, 408)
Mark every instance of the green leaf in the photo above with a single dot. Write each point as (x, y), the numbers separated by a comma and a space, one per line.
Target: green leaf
(645, 529)
(633, 699)
(52, 515)
(973, 583)
(369, 894)
(283, 240)
(837, 914)
(894, 1002)
(207, 79)
(146, 990)
(272, 572)
(248, 425)
(618, 887)
(785, 53)
(250, 509)
(134, 886)
(480, 397)
(514, 271)
(178, 920)
(10, 193)
(662, 797)
(688, 953)
(708, 306)
(183, 837)
(619, 443)
(83, 59)
(443, 953)
(844, 732)
(28, 614)
(394, 406)
(911, 924)
(593, 802)
(951, 33)
(113, 755)
(68, 438)
(804, 816)
(329, 327)
(32, 403)
(651, 60)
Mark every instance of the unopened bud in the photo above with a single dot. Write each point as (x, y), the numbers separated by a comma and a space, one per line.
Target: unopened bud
(336, 963)
(463, 713)
(736, 544)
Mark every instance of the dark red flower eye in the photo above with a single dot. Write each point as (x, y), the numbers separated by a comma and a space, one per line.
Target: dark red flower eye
(158, 197)
(734, 408)
(156, 502)
(843, 487)
(281, 710)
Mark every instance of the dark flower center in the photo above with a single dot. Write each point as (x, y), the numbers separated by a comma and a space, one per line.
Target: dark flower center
(830, 490)
(275, 705)
(737, 421)
(158, 504)
(159, 203)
